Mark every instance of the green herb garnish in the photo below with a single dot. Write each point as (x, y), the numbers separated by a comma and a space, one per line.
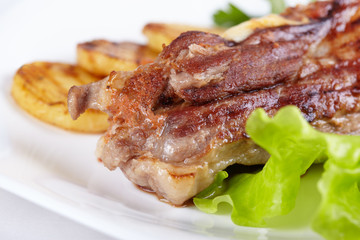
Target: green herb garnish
(230, 17)
(234, 16)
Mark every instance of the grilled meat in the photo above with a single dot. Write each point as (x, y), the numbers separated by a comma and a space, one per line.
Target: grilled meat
(178, 121)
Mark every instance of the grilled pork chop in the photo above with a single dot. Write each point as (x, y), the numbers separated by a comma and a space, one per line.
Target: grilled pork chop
(178, 121)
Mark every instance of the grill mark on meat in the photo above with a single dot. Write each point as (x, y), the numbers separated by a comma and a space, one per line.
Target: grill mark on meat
(177, 176)
(267, 57)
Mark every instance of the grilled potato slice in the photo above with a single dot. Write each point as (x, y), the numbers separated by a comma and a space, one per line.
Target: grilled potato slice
(101, 57)
(41, 89)
(163, 33)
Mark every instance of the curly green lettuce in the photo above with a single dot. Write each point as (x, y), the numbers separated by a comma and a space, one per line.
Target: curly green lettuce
(339, 211)
(294, 146)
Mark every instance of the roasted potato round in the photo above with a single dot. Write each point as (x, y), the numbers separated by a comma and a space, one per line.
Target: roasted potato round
(101, 57)
(41, 89)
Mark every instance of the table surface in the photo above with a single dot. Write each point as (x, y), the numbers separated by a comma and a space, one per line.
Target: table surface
(21, 219)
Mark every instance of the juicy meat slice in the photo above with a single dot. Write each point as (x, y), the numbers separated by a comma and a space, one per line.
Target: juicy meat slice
(271, 56)
(171, 131)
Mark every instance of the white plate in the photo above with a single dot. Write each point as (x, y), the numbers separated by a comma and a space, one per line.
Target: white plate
(57, 169)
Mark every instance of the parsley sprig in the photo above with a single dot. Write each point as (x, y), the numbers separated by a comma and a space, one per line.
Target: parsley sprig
(233, 15)
(230, 17)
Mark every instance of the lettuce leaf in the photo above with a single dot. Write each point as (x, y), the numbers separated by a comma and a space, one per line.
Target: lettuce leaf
(339, 211)
(294, 146)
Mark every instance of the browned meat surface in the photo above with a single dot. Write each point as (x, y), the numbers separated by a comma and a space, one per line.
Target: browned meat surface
(178, 121)
(201, 74)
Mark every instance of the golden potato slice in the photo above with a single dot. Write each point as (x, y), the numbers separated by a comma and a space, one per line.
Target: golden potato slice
(163, 33)
(41, 89)
(101, 57)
